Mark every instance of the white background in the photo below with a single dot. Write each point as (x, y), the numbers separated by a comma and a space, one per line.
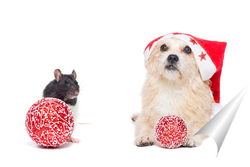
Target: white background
(104, 42)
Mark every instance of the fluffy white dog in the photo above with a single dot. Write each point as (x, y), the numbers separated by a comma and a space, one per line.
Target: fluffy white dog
(173, 86)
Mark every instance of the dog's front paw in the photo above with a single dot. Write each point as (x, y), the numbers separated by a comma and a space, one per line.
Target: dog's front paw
(142, 141)
(193, 141)
(134, 117)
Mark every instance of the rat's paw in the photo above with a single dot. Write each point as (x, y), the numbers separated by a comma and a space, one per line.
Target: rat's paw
(73, 140)
(193, 141)
(142, 141)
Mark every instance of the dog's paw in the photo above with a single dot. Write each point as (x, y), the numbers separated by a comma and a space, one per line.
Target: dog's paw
(193, 141)
(142, 141)
(134, 117)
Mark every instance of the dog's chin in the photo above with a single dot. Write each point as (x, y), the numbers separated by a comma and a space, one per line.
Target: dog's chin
(171, 72)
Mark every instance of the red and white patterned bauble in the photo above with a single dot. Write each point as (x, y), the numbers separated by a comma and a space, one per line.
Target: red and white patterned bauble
(49, 122)
(170, 131)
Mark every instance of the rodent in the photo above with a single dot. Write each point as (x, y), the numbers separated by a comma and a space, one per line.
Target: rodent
(65, 88)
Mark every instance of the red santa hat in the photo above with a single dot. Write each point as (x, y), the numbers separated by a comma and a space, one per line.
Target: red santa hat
(209, 56)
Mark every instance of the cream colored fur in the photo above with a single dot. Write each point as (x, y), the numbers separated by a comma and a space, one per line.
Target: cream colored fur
(181, 92)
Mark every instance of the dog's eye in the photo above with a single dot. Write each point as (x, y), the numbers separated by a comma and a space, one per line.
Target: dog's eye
(187, 50)
(164, 48)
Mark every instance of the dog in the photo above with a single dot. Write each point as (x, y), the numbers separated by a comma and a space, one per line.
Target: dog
(173, 85)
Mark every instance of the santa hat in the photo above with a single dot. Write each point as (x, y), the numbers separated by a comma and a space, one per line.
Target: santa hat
(209, 56)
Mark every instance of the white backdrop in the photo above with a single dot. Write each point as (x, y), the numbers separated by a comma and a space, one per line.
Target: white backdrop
(104, 42)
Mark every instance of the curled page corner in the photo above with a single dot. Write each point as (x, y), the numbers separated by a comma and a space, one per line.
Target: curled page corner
(219, 125)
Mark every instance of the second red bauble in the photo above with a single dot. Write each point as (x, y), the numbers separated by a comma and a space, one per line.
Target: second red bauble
(170, 131)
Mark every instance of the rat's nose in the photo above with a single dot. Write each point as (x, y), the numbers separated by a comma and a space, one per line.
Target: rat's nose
(76, 93)
(173, 58)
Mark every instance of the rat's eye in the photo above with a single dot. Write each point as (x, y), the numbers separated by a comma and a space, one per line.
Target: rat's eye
(164, 48)
(187, 50)
(66, 82)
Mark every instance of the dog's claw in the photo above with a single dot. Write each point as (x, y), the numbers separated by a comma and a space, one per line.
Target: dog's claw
(134, 117)
(192, 142)
(144, 141)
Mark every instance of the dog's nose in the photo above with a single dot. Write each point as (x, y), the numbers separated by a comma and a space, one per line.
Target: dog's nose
(173, 58)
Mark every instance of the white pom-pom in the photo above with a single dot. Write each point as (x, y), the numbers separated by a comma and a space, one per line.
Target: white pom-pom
(216, 108)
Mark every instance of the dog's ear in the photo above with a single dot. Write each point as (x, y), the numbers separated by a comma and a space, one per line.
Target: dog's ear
(154, 55)
(208, 82)
(150, 61)
(146, 64)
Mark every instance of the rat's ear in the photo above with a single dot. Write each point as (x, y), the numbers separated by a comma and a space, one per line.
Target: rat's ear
(74, 74)
(57, 74)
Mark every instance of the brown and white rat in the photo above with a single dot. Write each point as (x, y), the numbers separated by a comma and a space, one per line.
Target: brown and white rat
(66, 88)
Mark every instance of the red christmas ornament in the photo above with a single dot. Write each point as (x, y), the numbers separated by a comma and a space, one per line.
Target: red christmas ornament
(170, 131)
(49, 122)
